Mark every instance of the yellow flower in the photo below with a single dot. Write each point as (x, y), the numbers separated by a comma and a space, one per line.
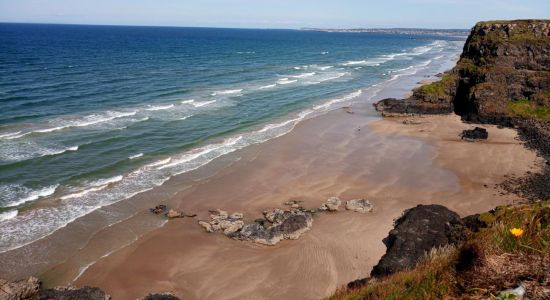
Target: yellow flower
(517, 232)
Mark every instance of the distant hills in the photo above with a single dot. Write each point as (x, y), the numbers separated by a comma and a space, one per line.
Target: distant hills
(409, 31)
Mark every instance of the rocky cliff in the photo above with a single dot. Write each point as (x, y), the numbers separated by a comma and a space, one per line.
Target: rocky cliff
(503, 74)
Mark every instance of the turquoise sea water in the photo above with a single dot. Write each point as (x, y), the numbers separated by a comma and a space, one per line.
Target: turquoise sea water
(91, 115)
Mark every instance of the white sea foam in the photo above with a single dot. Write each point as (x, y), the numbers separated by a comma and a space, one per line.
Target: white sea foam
(9, 135)
(284, 81)
(246, 52)
(160, 107)
(354, 62)
(226, 92)
(8, 215)
(84, 192)
(269, 86)
(32, 195)
(203, 103)
(135, 156)
(325, 68)
(159, 163)
(302, 75)
(188, 101)
(324, 53)
(107, 181)
(60, 124)
(347, 97)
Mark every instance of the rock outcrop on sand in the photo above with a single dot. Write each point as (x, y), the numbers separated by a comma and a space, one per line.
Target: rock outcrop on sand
(332, 204)
(359, 205)
(477, 133)
(31, 289)
(502, 63)
(277, 225)
(419, 229)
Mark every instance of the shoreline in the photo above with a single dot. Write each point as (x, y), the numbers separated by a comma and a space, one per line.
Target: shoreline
(76, 236)
(321, 157)
(190, 259)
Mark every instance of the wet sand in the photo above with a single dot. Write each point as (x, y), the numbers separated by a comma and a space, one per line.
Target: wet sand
(395, 166)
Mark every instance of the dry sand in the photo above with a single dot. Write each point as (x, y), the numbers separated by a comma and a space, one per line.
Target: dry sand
(394, 165)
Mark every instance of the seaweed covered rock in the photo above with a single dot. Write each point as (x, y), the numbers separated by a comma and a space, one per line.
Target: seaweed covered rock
(419, 229)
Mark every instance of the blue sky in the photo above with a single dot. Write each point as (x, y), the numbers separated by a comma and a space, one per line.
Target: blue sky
(273, 13)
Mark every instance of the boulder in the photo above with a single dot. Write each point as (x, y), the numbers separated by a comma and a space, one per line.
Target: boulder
(220, 220)
(173, 214)
(419, 229)
(359, 205)
(332, 204)
(477, 133)
(159, 209)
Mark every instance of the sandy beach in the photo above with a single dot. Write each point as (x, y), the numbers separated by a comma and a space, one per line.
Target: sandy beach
(394, 165)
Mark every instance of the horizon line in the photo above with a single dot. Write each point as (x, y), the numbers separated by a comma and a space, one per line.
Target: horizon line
(215, 27)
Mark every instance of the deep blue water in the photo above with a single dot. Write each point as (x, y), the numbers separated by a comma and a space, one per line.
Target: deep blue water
(90, 115)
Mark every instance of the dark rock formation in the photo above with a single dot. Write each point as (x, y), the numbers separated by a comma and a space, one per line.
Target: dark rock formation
(159, 209)
(30, 289)
(477, 133)
(276, 226)
(162, 296)
(70, 293)
(416, 232)
(502, 62)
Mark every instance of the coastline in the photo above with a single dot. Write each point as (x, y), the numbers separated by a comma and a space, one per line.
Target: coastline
(182, 258)
(394, 165)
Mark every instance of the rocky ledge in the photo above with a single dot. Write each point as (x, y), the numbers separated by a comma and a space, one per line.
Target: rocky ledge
(31, 289)
(415, 233)
(276, 224)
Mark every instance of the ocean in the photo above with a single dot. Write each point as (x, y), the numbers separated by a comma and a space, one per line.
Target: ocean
(93, 115)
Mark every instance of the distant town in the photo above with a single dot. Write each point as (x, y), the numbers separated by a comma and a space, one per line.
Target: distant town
(409, 31)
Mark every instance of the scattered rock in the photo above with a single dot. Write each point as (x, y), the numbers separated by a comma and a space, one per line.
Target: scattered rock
(277, 225)
(332, 204)
(419, 229)
(222, 221)
(23, 289)
(159, 209)
(161, 296)
(359, 205)
(283, 225)
(172, 214)
(477, 133)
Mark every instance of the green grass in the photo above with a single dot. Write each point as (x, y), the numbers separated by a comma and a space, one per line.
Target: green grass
(438, 277)
(438, 88)
(529, 109)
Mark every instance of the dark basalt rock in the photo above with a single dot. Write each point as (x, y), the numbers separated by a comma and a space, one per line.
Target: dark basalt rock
(474, 223)
(416, 232)
(477, 133)
(502, 61)
(63, 293)
(162, 296)
(159, 209)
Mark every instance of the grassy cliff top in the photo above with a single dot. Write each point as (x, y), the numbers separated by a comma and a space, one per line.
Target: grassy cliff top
(513, 248)
(514, 31)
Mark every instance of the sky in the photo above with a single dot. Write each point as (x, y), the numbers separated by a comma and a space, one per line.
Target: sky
(273, 13)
